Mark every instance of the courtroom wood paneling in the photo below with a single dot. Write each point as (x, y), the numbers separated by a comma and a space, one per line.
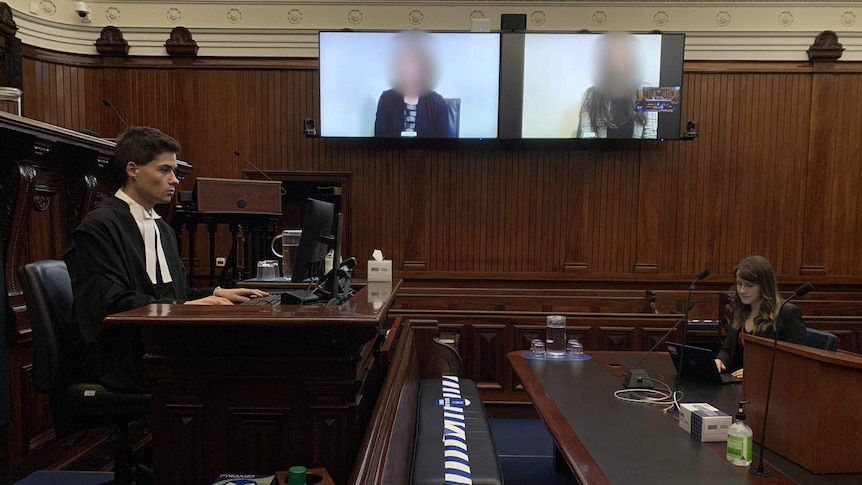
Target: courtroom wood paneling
(669, 209)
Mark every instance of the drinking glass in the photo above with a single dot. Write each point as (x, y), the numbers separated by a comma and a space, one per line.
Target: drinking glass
(538, 347)
(575, 348)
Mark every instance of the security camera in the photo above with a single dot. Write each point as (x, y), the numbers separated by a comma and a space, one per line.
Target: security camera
(691, 131)
(83, 11)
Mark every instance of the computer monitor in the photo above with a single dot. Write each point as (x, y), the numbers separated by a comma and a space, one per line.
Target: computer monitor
(313, 244)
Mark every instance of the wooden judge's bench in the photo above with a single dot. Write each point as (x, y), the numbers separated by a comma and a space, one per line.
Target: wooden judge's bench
(255, 389)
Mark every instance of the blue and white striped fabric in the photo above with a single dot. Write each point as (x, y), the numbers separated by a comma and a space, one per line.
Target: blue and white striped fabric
(456, 456)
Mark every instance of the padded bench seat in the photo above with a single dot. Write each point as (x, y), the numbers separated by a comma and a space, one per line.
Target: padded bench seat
(428, 457)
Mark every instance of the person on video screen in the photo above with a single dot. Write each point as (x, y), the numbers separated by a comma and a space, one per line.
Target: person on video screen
(412, 108)
(608, 108)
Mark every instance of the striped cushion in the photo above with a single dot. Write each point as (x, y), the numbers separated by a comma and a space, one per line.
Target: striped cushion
(453, 441)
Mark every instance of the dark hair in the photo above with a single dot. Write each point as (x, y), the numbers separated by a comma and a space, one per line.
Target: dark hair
(756, 269)
(596, 102)
(142, 145)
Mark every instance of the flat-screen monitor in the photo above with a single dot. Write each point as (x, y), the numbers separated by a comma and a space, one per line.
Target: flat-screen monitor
(614, 85)
(410, 84)
(313, 247)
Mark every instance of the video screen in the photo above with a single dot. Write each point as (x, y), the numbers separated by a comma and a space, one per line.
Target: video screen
(410, 84)
(614, 85)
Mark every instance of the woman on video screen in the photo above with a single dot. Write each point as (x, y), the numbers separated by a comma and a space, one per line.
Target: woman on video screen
(608, 108)
(412, 108)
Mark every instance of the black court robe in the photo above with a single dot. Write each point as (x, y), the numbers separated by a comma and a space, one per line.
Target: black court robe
(107, 265)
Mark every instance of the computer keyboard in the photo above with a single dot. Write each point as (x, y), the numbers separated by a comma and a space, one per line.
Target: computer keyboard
(294, 297)
(274, 299)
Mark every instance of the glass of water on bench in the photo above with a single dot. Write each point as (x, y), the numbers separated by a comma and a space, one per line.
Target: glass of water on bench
(556, 336)
(537, 346)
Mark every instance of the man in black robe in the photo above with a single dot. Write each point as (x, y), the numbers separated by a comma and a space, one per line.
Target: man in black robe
(124, 256)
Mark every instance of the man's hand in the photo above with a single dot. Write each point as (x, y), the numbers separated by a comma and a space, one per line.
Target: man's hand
(239, 295)
(210, 300)
(720, 365)
(737, 374)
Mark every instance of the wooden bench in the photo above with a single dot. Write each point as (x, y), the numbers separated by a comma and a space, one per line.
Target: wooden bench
(411, 353)
(525, 300)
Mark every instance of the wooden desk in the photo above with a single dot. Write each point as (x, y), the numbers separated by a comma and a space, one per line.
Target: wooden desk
(607, 441)
(255, 389)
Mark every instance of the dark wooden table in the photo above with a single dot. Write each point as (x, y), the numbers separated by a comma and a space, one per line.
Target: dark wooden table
(255, 389)
(607, 441)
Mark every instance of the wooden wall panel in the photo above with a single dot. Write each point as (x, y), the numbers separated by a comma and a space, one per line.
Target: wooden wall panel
(668, 209)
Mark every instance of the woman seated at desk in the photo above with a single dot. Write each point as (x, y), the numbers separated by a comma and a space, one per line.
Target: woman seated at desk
(755, 303)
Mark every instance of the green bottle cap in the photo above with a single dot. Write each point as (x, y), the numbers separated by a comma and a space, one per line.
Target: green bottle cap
(297, 475)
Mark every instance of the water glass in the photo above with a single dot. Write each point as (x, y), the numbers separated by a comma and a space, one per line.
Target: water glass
(538, 347)
(575, 348)
(556, 336)
(267, 270)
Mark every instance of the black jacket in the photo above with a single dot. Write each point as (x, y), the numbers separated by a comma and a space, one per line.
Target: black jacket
(107, 266)
(791, 328)
(432, 116)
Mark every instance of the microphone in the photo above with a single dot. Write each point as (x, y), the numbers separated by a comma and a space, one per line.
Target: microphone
(108, 104)
(637, 378)
(248, 162)
(689, 305)
(759, 470)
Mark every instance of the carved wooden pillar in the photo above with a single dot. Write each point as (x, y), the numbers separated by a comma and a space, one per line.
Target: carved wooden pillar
(823, 54)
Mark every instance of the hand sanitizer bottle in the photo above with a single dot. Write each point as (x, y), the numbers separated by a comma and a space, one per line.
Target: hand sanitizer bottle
(740, 440)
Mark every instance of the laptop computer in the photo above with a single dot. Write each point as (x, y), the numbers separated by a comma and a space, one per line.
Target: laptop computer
(699, 364)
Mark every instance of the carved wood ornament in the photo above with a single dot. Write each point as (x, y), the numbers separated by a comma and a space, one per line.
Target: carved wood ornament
(825, 47)
(181, 44)
(112, 43)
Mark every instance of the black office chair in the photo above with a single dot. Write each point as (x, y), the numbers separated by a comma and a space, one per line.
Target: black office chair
(819, 339)
(454, 105)
(75, 405)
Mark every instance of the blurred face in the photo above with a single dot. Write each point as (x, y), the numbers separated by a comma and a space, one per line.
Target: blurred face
(619, 76)
(411, 71)
(748, 291)
(153, 183)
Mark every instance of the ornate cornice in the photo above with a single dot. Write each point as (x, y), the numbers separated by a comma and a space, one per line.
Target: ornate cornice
(716, 30)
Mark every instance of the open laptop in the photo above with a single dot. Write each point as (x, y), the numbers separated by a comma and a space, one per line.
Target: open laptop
(699, 364)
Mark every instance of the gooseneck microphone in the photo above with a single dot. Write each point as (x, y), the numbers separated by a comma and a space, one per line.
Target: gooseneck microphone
(108, 104)
(759, 470)
(639, 378)
(689, 304)
(248, 162)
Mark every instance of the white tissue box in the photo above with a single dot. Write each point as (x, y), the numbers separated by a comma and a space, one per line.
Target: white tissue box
(704, 422)
(380, 270)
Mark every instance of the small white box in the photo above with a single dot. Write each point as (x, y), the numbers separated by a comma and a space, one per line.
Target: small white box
(380, 270)
(704, 422)
(480, 25)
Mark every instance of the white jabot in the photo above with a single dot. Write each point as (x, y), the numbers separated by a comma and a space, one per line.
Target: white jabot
(155, 253)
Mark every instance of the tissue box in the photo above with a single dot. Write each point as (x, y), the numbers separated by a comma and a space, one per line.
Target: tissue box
(380, 270)
(704, 422)
(231, 479)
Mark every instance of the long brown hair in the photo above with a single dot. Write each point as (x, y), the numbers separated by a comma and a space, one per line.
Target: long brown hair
(596, 101)
(756, 269)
